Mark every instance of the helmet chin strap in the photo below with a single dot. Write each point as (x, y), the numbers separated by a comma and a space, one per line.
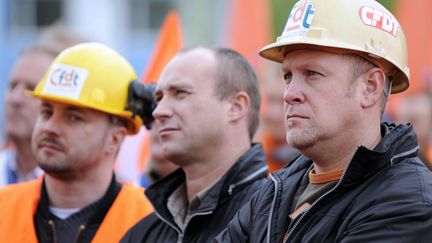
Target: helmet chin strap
(387, 89)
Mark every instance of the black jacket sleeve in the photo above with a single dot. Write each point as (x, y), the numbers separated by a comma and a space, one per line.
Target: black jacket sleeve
(402, 213)
(238, 230)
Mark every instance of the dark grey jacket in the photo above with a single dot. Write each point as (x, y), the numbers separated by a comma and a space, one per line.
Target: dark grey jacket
(218, 207)
(385, 195)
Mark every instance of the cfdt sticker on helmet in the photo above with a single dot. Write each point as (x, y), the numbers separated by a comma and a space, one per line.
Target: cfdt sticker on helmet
(379, 19)
(300, 19)
(65, 81)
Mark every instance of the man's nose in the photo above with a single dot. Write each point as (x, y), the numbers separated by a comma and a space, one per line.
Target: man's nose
(294, 92)
(162, 110)
(52, 125)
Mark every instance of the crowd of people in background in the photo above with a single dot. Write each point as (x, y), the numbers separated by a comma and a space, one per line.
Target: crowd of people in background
(309, 165)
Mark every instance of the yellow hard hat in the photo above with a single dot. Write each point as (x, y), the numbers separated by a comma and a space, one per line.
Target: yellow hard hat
(362, 27)
(94, 76)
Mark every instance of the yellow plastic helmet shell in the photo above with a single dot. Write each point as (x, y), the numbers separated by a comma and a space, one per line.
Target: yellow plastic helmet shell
(91, 75)
(362, 27)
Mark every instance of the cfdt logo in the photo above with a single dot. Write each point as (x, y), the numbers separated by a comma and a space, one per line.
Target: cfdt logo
(379, 20)
(300, 17)
(64, 77)
(65, 81)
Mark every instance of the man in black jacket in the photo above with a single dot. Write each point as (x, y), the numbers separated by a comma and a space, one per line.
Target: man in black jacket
(357, 180)
(206, 117)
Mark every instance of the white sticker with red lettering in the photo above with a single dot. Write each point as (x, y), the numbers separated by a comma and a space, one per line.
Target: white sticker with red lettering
(379, 19)
(300, 19)
(66, 81)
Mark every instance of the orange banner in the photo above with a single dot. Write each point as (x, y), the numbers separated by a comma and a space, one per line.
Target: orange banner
(170, 41)
(415, 17)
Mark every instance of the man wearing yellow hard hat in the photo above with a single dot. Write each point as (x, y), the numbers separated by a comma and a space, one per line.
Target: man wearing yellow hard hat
(85, 113)
(358, 180)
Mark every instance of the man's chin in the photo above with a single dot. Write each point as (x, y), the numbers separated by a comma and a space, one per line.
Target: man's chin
(17, 134)
(301, 141)
(58, 172)
(52, 167)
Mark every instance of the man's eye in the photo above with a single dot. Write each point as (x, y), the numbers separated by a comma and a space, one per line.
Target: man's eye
(287, 77)
(158, 98)
(45, 113)
(30, 87)
(74, 118)
(180, 93)
(311, 73)
(12, 86)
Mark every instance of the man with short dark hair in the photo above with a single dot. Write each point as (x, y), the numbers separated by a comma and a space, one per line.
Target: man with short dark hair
(82, 120)
(207, 114)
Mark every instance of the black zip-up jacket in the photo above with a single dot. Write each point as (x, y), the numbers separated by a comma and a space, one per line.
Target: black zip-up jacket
(218, 207)
(385, 195)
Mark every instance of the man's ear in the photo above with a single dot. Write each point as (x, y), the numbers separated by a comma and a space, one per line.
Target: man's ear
(372, 87)
(115, 138)
(239, 106)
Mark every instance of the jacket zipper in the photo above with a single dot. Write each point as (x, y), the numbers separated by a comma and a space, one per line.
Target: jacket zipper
(80, 229)
(247, 179)
(180, 238)
(171, 225)
(51, 223)
(289, 232)
(230, 190)
(192, 216)
(272, 206)
(180, 234)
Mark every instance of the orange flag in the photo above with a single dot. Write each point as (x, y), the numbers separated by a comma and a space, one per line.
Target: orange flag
(415, 17)
(170, 41)
(249, 28)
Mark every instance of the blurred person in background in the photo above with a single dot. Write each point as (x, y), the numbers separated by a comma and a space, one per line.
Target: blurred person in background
(17, 163)
(272, 131)
(417, 110)
(206, 116)
(84, 116)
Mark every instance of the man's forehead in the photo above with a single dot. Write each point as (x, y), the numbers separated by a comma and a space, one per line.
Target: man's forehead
(308, 57)
(30, 67)
(178, 82)
(187, 69)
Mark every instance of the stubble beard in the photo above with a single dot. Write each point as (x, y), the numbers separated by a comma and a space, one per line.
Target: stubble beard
(66, 168)
(57, 169)
(302, 140)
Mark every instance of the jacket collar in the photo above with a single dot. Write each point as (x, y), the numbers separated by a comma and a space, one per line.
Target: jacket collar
(248, 168)
(398, 142)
